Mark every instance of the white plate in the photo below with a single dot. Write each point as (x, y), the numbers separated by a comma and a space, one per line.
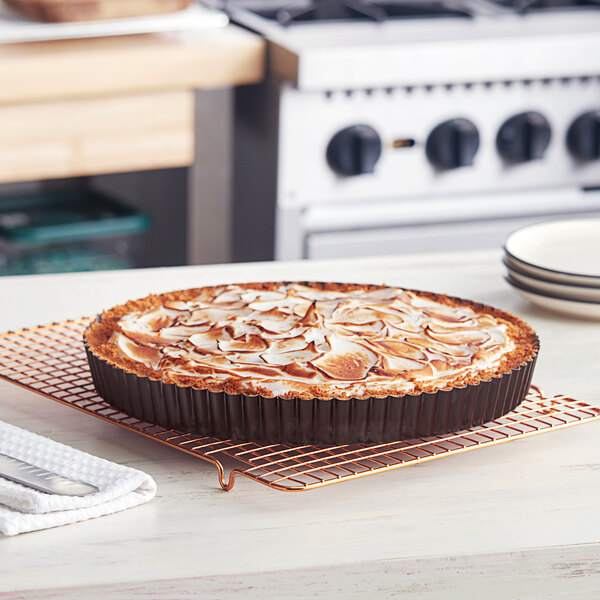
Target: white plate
(14, 27)
(565, 251)
(550, 276)
(571, 292)
(582, 309)
(539, 275)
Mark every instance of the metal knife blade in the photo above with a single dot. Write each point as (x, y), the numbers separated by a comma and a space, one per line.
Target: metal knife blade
(42, 480)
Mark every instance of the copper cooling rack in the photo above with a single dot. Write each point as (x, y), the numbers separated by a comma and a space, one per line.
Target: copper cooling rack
(50, 360)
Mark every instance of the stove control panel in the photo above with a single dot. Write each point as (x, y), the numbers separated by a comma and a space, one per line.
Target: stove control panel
(524, 137)
(438, 140)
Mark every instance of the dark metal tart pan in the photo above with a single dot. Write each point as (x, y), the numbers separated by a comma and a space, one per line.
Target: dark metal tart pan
(315, 421)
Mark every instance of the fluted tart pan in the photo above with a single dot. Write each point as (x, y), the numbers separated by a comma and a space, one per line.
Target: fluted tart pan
(315, 421)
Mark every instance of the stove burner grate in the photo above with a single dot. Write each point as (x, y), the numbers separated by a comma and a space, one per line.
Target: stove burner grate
(361, 10)
(524, 6)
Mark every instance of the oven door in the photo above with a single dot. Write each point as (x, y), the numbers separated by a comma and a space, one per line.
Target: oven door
(426, 225)
(415, 239)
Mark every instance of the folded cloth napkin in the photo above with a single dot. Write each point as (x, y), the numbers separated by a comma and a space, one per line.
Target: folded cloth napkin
(24, 509)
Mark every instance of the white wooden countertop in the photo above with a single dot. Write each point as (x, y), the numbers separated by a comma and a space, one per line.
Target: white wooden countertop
(518, 520)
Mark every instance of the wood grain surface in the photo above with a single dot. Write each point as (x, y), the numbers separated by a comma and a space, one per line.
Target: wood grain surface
(516, 521)
(87, 136)
(84, 68)
(78, 107)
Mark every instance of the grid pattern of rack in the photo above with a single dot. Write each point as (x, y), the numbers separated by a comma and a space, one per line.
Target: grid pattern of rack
(51, 360)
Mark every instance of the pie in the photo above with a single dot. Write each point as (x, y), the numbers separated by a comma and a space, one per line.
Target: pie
(222, 349)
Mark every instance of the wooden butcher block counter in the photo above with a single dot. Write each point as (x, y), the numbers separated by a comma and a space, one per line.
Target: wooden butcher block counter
(89, 106)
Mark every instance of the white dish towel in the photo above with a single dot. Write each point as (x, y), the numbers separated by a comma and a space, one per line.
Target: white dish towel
(24, 509)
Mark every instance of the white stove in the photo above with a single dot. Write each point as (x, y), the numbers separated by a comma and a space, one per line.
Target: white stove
(413, 125)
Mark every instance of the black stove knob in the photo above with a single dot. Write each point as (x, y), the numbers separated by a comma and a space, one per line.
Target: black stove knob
(583, 136)
(524, 137)
(452, 144)
(354, 150)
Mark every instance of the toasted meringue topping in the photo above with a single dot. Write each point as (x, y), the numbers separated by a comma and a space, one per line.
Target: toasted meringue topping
(286, 339)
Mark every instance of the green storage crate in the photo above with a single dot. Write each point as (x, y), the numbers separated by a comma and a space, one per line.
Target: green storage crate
(68, 231)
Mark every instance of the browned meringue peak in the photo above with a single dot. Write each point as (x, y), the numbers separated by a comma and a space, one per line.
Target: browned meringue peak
(391, 365)
(144, 354)
(298, 334)
(346, 360)
(454, 337)
(399, 349)
(248, 343)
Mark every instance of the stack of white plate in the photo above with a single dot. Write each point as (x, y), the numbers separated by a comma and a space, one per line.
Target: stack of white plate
(556, 265)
